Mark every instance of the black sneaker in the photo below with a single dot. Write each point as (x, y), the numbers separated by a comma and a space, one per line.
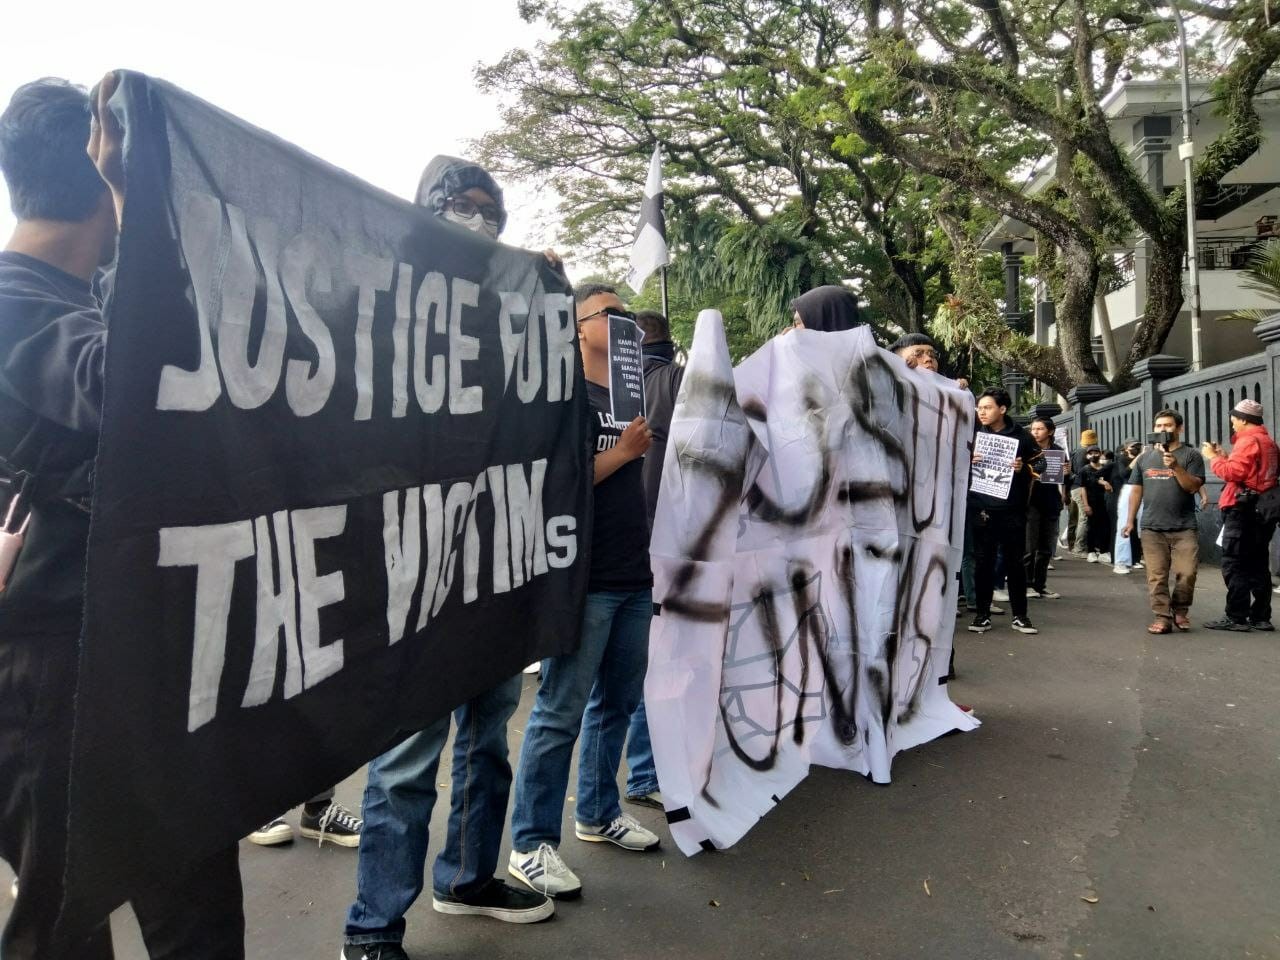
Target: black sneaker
(500, 901)
(980, 624)
(1023, 625)
(1226, 623)
(333, 824)
(373, 951)
(1263, 625)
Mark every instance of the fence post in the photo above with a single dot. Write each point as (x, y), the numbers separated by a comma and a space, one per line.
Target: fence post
(1079, 398)
(1268, 331)
(1149, 373)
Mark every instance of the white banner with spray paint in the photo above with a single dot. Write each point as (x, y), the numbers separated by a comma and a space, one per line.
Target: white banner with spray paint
(805, 550)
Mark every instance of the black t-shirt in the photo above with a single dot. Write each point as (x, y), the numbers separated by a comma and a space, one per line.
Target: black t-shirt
(1045, 497)
(620, 535)
(52, 341)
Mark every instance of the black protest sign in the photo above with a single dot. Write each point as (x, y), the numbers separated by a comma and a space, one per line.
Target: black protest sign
(1051, 466)
(342, 488)
(626, 369)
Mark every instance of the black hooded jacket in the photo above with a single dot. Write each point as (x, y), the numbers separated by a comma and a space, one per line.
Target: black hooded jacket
(445, 177)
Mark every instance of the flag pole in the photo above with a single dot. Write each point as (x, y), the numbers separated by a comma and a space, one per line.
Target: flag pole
(666, 310)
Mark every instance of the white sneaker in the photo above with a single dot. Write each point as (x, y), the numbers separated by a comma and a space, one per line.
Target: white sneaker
(625, 831)
(995, 609)
(272, 834)
(1001, 595)
(1121, 570)
(1104, 558)
(1045, 594)
(1093, 556)
(543, 870)
(1139, 566)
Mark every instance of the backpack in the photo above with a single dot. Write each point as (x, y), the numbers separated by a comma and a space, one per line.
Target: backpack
(1267, 506)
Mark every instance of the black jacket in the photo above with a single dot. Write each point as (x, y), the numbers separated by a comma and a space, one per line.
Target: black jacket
(662, 379)
(52, 342)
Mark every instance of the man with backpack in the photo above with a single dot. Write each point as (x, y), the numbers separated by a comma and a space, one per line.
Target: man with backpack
(1248, 517)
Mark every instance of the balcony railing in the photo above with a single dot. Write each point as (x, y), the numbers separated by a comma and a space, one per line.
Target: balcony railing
(1228, 253)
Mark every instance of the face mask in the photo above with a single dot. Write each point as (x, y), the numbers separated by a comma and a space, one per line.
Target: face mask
(476, 224)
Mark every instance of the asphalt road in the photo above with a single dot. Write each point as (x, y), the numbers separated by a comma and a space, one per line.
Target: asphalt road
(1138, 771)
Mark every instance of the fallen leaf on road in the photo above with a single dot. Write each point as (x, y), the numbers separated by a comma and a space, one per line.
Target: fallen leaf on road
(1090, 899)
(927, 893)
(834, 890)
(713, 903)
(805, 874)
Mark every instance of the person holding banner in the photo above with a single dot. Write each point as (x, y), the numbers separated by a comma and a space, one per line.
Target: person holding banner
(1044, 508)
(997, 513)
(401, 790)
(609, 666)
(52, 347)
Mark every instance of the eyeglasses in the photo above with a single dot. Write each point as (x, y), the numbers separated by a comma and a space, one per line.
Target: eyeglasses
(467, 209)
(611, 312)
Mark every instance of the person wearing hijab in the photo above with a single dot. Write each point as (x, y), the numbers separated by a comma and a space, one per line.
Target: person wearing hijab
(829, 309)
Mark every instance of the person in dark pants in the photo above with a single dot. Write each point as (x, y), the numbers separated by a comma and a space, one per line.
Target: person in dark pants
(1043, 511)
(1250, 470)
(52, 342)
(1095, 480)
(1000, 523)
(662, 379)
(401, 790)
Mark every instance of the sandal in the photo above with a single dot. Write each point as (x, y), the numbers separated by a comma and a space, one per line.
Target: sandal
(1160, 627)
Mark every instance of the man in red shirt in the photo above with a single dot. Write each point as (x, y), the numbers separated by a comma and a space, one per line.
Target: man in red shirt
(1248, 471)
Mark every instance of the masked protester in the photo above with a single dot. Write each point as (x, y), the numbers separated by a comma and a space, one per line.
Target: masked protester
(401, 791)
(1249, 470)
(1043, 511)
(1095, 481)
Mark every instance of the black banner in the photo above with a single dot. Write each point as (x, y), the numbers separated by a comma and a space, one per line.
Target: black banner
(342, 488)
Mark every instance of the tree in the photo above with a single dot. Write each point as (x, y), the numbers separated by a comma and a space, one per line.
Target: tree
(876, 139)
(760, 207)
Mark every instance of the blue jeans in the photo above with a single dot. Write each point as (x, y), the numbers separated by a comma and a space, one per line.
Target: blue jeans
(607, 669)
(398, 799)
(642, 774)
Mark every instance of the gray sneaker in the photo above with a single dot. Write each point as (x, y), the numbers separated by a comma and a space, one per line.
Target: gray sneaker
(624, 831)
(543, 871)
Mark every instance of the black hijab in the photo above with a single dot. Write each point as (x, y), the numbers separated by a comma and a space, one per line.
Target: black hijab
(829, 309)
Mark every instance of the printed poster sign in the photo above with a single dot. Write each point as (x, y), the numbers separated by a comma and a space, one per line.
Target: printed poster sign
(993, 473)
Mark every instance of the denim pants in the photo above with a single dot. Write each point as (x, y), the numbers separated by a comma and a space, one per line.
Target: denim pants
(642, 773)
(398, 799)
(607, 670)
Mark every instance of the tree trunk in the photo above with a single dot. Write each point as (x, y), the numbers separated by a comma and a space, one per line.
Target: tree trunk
(1164, 301)
(1075, 314)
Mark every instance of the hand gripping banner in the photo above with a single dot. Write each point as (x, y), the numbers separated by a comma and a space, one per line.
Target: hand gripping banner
(805, 548)
(342, 488)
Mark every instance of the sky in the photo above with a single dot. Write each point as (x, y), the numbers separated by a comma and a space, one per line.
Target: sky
(375, 87)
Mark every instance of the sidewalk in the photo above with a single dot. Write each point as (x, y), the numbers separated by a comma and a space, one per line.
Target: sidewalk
(1139, 770)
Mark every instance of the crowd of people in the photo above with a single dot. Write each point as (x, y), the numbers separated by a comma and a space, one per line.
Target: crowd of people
(52, 338)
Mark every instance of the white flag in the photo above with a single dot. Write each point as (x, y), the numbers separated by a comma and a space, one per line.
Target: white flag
(649, 251)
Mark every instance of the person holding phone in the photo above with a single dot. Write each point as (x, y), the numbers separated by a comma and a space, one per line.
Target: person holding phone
(1167, 479)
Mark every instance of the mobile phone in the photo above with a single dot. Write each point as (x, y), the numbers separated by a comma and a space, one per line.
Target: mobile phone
(1163, 438)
